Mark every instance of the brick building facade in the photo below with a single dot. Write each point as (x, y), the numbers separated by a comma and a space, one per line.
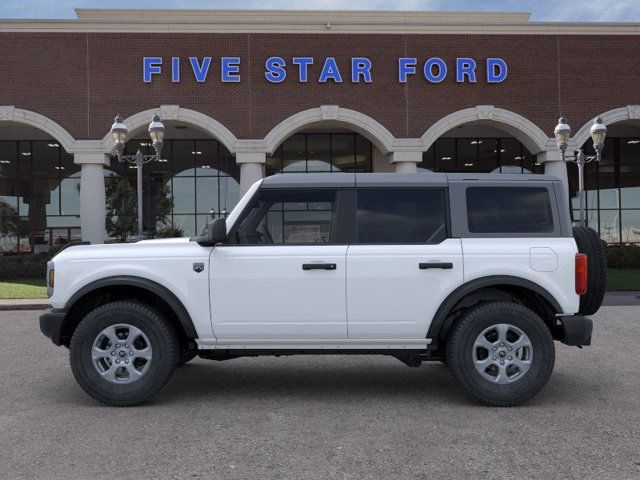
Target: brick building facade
(63, 81)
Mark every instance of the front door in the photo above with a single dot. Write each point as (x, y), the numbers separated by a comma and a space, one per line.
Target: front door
(282, 273)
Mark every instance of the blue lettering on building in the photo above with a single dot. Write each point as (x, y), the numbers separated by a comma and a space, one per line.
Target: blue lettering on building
(431, 66)
(465, 67)
(151, 66)
(406, 66)
(200, 70)
(496, 70)
(276, 72)
(303, 67)
(330, 71)
(230, 69)
(358, 69)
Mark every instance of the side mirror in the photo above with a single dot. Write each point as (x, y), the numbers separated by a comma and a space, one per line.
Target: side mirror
(216, 233)
(218, 230)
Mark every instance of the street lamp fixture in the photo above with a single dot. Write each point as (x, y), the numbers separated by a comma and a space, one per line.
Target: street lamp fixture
(562, 133)
(156, 132)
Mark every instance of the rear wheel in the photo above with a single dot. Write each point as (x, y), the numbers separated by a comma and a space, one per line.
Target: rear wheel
(124, 352)
(589, 243)
(501, 352)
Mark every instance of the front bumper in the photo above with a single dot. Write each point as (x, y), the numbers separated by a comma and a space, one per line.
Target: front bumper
(575, 330)
(51, 324)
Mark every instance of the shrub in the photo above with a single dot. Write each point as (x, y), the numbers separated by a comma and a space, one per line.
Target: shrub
(26, 266)
(170, 232)
(623, 256)
(23, 266)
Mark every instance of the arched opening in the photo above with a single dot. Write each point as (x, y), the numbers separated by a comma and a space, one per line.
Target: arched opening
(325, 149)
(39, 190)
(612, 185)
(328, 139)
(482, 147)
(196, 180)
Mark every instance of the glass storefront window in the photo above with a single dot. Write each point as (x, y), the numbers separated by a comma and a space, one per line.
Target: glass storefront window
(321, 152)
(486, 155)
(39, 193)
(613, 190)
(197, 180)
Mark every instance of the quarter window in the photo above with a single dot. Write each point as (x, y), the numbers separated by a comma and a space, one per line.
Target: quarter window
(290, 217)
(509, 210)
(401, 216)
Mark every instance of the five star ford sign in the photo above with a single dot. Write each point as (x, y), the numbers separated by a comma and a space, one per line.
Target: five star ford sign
(362, 69)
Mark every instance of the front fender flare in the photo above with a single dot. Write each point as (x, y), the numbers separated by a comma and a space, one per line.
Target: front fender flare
(127, 280)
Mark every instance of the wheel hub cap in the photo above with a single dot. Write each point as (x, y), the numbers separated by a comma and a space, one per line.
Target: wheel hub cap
(502, 353)
(121, 353)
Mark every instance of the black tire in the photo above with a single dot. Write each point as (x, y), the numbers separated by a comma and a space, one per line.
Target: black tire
(460, 352)
(161, 336)
(589, 243)
(188, 351)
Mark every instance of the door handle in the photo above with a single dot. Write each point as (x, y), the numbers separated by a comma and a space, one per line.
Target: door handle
(442, 265)
(319, 266)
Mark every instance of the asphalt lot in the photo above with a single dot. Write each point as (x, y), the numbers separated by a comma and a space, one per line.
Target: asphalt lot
(322, 417)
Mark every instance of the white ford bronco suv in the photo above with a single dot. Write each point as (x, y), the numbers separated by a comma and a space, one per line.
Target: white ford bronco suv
(481, 271)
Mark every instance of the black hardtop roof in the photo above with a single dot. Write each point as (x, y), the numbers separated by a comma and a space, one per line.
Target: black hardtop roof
(421, 179)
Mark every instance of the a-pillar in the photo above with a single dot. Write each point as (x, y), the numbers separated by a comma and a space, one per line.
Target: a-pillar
(406, 161)
(92, 196)
(251, 168)
(554, 165)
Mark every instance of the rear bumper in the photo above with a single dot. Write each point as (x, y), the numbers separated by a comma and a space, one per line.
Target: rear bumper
(576, 330)
(51, 324)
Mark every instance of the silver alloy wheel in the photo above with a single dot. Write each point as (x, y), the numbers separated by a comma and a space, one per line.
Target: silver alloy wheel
(121, 353)
(502, 353)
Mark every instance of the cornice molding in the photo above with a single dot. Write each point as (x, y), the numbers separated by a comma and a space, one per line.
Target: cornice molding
(306, 21)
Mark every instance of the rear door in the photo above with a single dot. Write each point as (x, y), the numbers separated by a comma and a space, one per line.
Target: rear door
(402, 264)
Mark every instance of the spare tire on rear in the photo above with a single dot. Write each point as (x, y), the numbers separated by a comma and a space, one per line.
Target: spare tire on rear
(589, 243)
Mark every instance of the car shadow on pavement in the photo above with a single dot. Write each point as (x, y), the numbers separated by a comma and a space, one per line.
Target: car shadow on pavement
(330, 380)
(280, 378)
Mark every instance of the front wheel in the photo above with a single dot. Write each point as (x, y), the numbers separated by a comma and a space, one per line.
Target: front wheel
(124, 352)
(501, 352)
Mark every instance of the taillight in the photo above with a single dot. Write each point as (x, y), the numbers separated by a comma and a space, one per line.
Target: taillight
(581, 273)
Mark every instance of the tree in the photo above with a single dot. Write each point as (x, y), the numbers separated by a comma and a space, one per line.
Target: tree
(9, 221)
(122, 208)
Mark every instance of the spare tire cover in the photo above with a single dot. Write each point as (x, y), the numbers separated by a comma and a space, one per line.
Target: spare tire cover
(589, 243)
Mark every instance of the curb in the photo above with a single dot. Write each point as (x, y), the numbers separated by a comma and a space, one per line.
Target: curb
(6, 305)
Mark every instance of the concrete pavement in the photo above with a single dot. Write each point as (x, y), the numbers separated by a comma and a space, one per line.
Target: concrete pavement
(322, 417)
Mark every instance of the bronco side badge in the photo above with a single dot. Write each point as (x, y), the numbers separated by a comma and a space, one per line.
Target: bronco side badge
(198, 267)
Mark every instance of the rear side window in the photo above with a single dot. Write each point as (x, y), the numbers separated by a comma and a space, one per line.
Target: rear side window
(401, 216)
(509, 210)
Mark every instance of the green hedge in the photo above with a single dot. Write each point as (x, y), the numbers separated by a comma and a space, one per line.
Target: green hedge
(25, 266)
(623, 256)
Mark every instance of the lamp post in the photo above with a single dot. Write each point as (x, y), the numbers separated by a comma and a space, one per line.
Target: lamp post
(562, 133)
(156, 132)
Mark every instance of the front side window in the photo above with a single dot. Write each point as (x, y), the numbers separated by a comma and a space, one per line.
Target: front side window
(289, 217)
(509, 210)
(401, 216)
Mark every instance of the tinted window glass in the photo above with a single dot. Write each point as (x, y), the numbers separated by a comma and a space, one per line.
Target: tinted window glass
(509, 210)
(401, 216)
(289, 217)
